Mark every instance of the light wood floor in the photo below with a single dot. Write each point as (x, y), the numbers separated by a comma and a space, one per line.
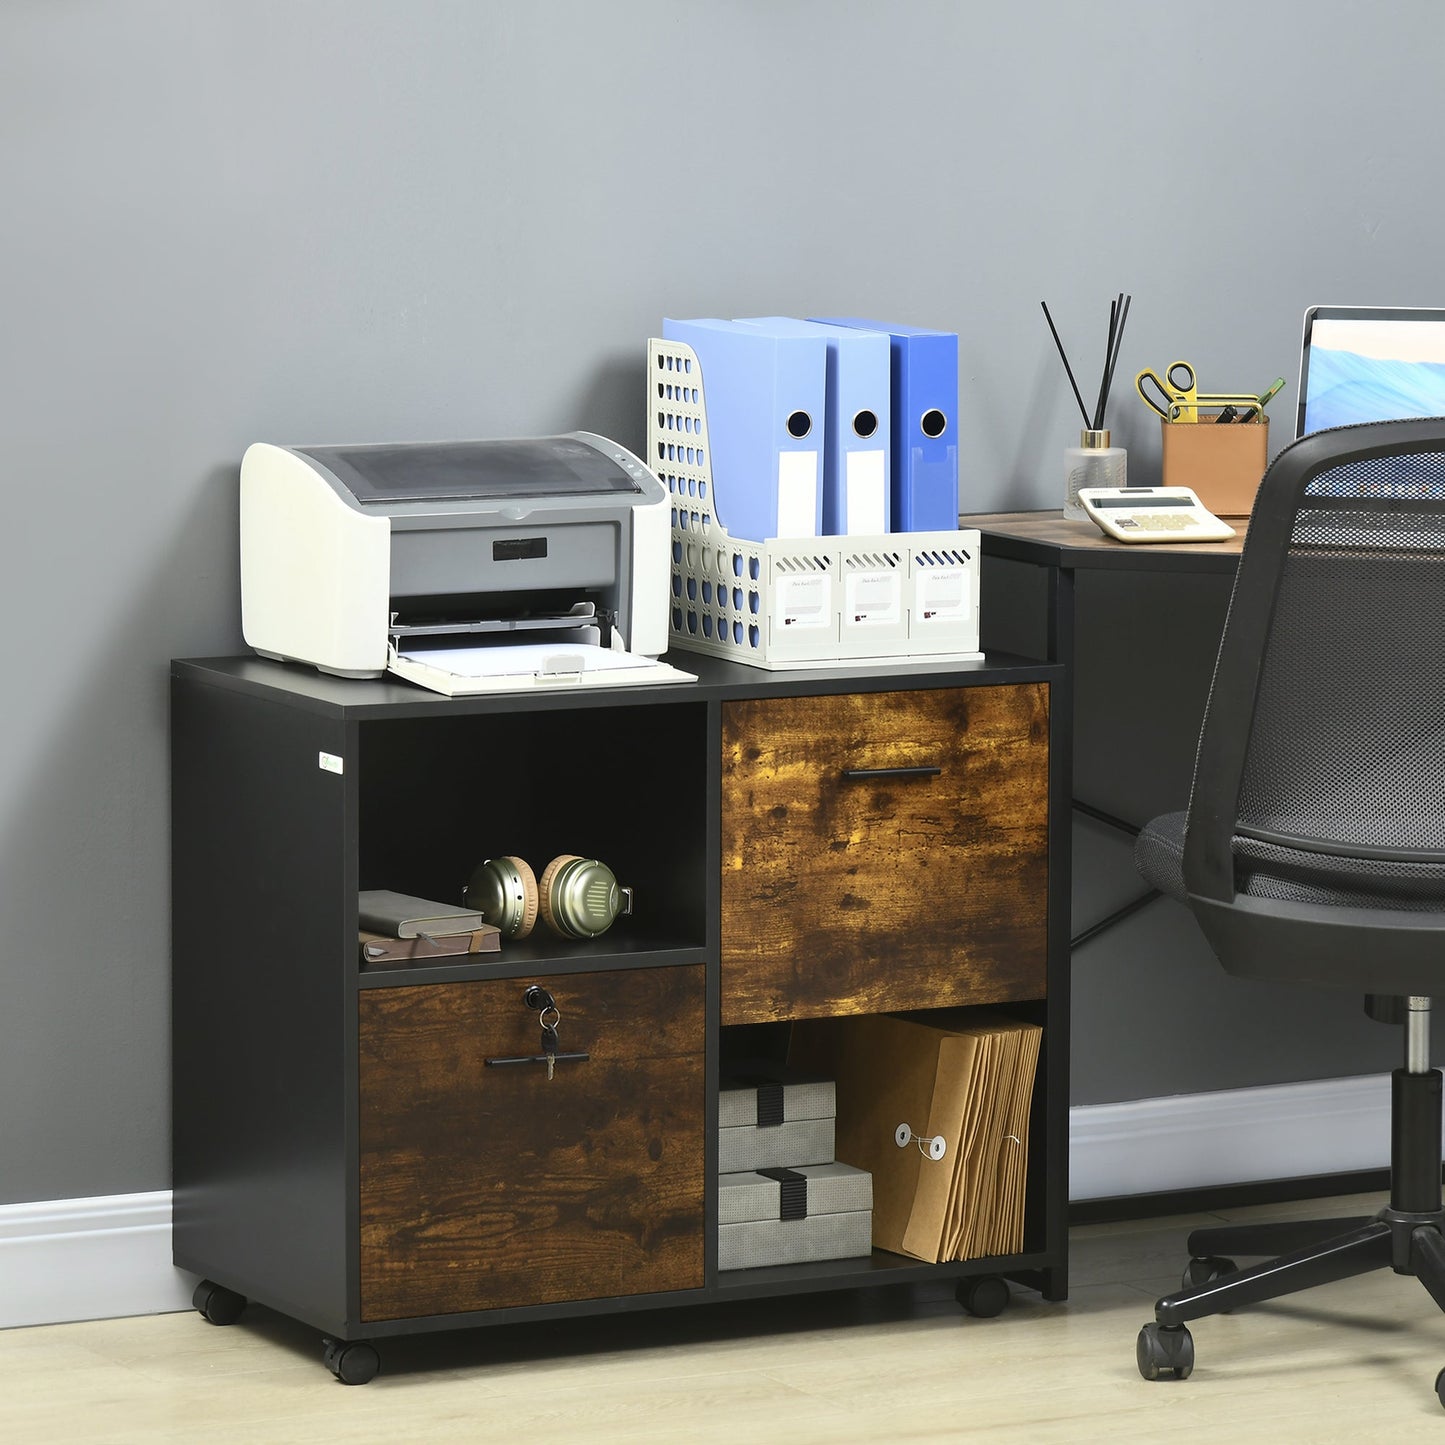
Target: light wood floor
(1352, 1362)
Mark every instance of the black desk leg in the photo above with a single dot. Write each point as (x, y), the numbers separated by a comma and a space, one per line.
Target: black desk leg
(1054, 1282)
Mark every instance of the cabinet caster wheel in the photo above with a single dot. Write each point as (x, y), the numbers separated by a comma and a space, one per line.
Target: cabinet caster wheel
(216, 1303)
(1205, 1269)
(351, 1364)
(1165, 1347)
(983, 1296)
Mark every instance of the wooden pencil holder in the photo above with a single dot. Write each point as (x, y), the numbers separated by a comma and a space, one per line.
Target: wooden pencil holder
(1222, 465)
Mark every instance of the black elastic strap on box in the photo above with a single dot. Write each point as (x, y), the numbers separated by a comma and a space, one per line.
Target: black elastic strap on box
(793, 1194)
(770, 1105)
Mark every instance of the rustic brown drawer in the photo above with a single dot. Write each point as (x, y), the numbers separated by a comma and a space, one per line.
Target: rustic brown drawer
(483, 1187)
(851, 886)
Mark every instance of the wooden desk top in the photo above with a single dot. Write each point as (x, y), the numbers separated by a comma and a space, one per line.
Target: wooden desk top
(1050, 539)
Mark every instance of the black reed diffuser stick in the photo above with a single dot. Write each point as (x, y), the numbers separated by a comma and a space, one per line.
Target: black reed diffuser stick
(1065, 360)
(1118, 314)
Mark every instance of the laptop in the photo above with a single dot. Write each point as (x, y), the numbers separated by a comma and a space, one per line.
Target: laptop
(1370, 363)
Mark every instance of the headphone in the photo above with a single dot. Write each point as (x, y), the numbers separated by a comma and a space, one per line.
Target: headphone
(576, 897)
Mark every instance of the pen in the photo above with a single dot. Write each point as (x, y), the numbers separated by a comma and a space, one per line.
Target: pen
(1228, 414)
(1254, 411)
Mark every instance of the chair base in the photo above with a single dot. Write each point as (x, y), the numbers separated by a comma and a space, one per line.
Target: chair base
(1405, 1241)
(1407, 1236)
(1314, 1252)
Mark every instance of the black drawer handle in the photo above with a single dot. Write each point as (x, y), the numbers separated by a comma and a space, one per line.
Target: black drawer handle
(537, 1059)
(861, 775)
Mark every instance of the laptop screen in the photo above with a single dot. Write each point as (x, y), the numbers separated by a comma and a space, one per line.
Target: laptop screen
(1370, 363)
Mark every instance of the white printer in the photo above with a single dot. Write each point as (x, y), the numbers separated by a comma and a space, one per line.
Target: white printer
(473, 566)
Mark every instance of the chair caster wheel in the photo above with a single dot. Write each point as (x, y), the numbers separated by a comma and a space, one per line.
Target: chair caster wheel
(352, 1364)
(1205, 1269)
(217, 1304)
(1440, 1387)
(983, 1296)
(1165, 1347)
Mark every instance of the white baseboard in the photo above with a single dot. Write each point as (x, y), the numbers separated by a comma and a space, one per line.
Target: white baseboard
(1235, 1136)
(88, 1259)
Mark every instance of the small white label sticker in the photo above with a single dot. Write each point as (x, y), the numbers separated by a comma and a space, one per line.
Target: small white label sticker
(867, 489)
(330, 763)
(797, 494)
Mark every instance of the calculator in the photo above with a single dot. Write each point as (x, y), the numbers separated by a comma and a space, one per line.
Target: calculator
(1152, 514)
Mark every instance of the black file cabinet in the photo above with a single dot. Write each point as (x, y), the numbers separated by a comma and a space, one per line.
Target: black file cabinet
(342, 1151)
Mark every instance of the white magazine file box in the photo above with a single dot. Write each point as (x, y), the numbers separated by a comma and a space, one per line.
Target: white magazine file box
(795, 602)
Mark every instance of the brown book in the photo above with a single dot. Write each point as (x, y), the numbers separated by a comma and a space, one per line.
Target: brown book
(382, 948)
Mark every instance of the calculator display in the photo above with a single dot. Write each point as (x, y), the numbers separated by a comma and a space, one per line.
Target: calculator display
(1143, 501)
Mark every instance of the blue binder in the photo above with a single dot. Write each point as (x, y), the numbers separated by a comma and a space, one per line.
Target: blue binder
(925, 425)
(765, 403)
(856, 492)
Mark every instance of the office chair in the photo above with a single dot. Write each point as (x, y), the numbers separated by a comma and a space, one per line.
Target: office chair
(1313, 849)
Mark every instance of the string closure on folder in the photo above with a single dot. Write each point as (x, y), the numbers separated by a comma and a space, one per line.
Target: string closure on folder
(936, 1146)
(933, 1148)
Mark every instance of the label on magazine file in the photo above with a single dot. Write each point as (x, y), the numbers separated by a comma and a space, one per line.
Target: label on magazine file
(874, 597)
(944, 594)
(803, 599)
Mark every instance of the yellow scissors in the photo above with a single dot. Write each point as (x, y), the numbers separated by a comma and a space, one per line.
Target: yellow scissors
(1175, 396)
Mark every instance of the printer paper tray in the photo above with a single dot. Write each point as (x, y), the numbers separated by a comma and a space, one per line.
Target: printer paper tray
(520, 667)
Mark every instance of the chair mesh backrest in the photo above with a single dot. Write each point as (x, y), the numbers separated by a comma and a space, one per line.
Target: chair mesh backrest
(1347, 746)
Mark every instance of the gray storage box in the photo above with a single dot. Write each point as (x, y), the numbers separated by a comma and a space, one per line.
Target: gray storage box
(788, 1216)
(772, 1117)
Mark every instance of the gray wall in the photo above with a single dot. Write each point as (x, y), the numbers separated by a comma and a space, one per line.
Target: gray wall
(310, 221)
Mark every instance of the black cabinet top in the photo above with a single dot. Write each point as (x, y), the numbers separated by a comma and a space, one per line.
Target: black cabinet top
(299, 685)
